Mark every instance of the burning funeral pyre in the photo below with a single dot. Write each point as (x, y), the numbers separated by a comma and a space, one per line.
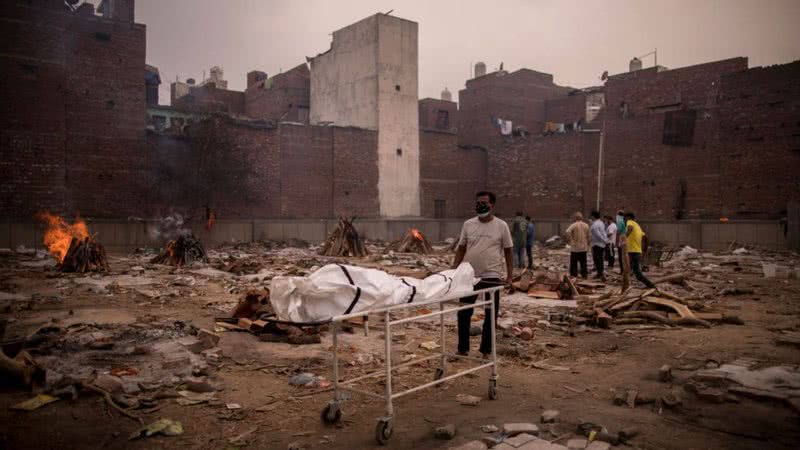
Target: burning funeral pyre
(72, 246)
(344, 241)
(413, 242)
(184, 250)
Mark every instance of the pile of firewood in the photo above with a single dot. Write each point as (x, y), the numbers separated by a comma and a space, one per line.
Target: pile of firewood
(413, 242)
(182, 251)
(545, 285)
(637, 306)
(344, 241)
(253, 314)
(84, 255)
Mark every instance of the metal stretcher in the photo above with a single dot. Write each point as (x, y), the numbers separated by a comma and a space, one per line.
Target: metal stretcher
(332, 412)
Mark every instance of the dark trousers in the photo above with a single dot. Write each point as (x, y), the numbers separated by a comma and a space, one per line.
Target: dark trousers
(598, 253)
(619, 258)
(636, 268)
(518, 261)
(610, 255)
(465, 315)
(529, 252)
(575, 259)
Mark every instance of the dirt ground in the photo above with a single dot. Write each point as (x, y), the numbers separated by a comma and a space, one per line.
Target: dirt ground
(575, 370)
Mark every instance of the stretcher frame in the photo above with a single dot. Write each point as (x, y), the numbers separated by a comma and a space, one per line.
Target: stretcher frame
(332, 412)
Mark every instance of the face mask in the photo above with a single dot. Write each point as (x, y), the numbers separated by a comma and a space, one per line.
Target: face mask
(483, 209)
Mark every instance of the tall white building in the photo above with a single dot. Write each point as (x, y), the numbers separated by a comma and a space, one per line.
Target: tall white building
(368, 79)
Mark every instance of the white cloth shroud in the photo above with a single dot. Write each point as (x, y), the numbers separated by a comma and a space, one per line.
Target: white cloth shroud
(337, 289)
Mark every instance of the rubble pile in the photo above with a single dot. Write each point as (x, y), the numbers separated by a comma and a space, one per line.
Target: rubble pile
(184, 250)
(344, 241)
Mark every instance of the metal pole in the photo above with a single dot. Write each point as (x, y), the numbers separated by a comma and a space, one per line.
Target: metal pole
(441, 333)
(600, 164)
(387, 331)
(335, 363)
(493, 312)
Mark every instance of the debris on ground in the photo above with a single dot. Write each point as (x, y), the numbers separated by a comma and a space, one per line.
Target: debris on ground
(166, 427)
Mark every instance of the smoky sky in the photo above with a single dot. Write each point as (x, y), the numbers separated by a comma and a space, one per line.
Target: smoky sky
(574, 40)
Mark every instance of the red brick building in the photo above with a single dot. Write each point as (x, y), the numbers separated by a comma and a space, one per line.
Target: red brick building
(518, 97)
(284, 97)
(700, 142)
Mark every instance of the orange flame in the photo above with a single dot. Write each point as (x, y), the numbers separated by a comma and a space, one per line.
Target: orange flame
(59, 234)
(416, 233)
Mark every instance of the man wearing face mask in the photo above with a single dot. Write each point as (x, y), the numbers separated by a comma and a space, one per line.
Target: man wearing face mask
(485, 244)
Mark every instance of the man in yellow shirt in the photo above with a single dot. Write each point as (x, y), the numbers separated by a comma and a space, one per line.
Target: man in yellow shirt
(634, 235)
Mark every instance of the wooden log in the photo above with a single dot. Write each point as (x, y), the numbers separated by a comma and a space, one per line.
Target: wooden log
(650, 315)
(682, 310)
(660, 293)
(602, 319)
(676, 278)
(711, 317)
(572, 287)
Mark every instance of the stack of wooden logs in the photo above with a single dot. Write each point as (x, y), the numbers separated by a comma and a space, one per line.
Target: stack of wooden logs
(84, 255)
(182, 251)
(344, 241)
(637, 306)
(412, 242)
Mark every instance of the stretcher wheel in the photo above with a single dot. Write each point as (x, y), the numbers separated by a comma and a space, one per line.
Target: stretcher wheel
(439, 374)
(331, 413)
(383, 431)
(492, 389)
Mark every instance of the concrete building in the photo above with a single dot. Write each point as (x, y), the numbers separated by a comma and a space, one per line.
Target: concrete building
(368, 79)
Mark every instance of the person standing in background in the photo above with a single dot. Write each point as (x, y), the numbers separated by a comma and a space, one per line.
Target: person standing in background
(611, 232)
(519, 235)
(578, 239)
(531, 234)
(599, 241)
(635, 234)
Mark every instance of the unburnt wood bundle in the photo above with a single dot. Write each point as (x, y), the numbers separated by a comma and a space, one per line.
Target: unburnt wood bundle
(181, 251)
(344, 241)
(412, 242)
(84, 255)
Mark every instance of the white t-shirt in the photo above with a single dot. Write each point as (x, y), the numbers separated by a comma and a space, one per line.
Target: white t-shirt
(486, 243)
(612, 233)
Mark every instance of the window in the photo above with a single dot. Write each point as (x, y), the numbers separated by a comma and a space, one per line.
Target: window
(302, 114)
(399, 152)
(679, 128)
(397, 87)
(442, 119)
(439, 209)
(100, 36)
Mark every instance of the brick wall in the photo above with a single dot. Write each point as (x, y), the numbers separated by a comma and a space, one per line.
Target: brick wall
(285, 96)
(543, 176)
(519, 96)
(355, 172)
(450, 173)
(250, 169)
(73, 117)
(568, 109)
(209, 98)
(760, 141)
(438, 114)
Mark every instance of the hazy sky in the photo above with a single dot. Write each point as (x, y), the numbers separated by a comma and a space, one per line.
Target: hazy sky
(574, 40)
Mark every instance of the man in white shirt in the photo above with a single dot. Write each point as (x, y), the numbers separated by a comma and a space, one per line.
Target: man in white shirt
(485, 244)
(611, 229)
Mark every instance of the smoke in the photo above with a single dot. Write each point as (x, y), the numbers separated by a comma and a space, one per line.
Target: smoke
(169, 228)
